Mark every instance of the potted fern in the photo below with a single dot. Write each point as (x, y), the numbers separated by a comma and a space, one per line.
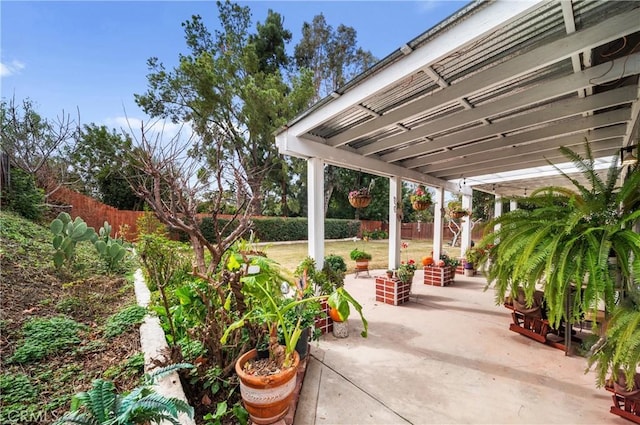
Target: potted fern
(569, 238)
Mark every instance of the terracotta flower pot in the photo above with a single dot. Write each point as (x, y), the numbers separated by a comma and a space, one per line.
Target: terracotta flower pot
(362, 264)
(266, 398)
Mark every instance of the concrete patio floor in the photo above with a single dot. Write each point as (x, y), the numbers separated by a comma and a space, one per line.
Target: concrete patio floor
(445, 357)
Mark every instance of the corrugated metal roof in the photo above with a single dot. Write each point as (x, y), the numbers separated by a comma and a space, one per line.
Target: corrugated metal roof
(496, 87)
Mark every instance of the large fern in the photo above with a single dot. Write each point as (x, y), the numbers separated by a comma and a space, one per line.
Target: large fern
(103, 406)
(619, 352)
(562, 239)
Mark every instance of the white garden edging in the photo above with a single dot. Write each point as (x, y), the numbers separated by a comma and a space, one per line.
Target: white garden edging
(154, 345)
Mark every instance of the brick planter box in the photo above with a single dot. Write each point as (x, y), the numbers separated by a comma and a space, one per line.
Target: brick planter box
(392, 291)
(439, 276)
(325, 324)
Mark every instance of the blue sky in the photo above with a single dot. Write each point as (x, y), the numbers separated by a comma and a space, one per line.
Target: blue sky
(91, 55)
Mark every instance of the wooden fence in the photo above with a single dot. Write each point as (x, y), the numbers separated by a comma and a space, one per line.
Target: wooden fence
(419, 231)
(95, 213)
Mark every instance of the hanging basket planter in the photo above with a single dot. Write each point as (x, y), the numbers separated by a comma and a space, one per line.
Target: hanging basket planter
(458, 214)
(420, 205)
(360, 201)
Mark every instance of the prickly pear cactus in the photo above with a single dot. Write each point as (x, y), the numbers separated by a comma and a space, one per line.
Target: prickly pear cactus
(111, 250)
(66, 234)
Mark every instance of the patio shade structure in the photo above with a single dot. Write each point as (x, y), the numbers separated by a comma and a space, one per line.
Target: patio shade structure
(480, 100)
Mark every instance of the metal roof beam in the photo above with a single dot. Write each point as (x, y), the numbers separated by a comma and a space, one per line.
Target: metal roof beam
(553, 112)
(599, 149)
(567, 127)
(538, 58)
(288, 144)
(600, 74)
(509, 150)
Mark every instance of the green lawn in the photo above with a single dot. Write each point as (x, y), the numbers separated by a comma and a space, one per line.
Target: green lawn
(289, 255)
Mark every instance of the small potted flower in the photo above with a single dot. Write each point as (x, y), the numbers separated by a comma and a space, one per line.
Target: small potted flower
(421, 199)
(406, 271)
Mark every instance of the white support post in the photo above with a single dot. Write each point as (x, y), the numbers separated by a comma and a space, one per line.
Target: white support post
(465, 243)
(315, 207)
(437, 223)
(395, 221)
(513, 205)
(497, 211)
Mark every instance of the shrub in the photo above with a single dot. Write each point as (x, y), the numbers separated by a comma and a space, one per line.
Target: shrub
(23, 196)
(43, 337)
(124, 320)
(274, 229)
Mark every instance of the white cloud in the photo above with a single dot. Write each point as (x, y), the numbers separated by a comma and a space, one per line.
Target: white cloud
(12, 68)
(428, 6)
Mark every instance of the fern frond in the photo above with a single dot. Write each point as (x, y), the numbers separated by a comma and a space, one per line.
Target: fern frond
(75, 418)
(157, 374)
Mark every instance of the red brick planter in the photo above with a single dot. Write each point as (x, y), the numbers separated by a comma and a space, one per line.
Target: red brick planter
(325, 324)
(439, 276)
(392, 291)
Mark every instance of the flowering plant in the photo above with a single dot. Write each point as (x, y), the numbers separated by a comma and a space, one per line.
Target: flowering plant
(363, 191)
(448, 261)
(421, 195)
(406, 270)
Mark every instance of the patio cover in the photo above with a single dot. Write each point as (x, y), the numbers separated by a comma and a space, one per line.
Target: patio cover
(478, 101)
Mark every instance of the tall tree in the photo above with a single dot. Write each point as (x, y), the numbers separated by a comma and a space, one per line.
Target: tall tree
(100, 162)
(333, 58)
(231, 88)
(332, 55)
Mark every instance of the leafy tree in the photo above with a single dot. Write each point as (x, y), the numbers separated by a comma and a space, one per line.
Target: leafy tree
(100, 162)
(333, 58)
(231, 88)
(332, 55)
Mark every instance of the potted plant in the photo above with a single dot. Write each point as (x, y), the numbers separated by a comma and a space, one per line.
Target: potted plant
(267, 306)
(340, 310)
(421, 199)
(361, 258)
(472, 255)
(361, 197)
(455, 210)
(563, 237)
(406, 271)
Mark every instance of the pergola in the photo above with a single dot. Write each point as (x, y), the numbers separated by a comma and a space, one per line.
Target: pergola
(481, 100)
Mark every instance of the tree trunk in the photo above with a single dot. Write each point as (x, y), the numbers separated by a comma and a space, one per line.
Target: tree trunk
(285, 207)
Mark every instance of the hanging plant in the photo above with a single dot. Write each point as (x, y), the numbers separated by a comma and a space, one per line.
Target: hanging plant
(421, 199)
(361, 198)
